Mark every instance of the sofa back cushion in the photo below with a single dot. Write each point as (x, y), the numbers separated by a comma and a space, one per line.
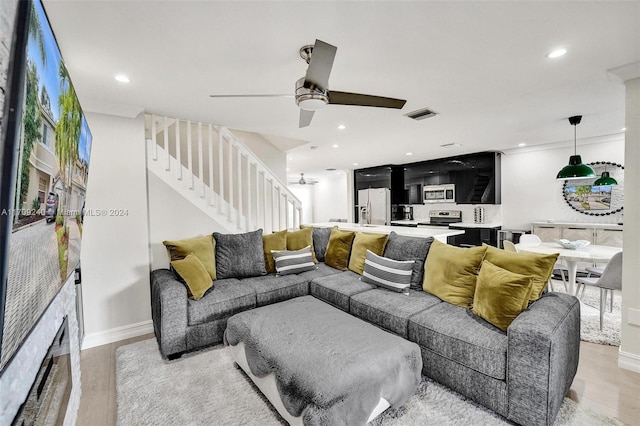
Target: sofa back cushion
(239, 255)
(293, 261)
(202, 247)
(339, 249)
(400, 247)
(273, 241)
(394, 275)
(500, 295)
(539, 266)
(450, 273)
(363, 242)
(321, 236)
(300, 239)
(194, 275)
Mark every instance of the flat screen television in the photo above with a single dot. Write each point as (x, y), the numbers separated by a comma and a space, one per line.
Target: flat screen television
(46, 147)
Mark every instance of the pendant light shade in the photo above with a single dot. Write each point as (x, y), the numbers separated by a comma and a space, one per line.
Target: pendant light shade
(605, 179)
(575, 169)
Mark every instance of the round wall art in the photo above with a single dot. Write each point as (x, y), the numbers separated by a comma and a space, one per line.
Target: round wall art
(596, 200)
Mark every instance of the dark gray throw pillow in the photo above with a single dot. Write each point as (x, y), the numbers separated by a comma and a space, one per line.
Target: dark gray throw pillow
(320, 241)
(239, 255)
(400, 247)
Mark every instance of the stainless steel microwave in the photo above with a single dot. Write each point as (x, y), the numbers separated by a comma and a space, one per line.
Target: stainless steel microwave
(439, 193)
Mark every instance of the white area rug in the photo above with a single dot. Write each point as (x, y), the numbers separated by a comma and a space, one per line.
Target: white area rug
(590, 317)
(205, 388)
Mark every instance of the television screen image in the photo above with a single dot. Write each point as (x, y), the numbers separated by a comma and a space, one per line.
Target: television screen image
(589, 197)
(51, 160)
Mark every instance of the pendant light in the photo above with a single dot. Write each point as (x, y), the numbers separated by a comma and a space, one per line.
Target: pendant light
(605, 179)
(575, 169)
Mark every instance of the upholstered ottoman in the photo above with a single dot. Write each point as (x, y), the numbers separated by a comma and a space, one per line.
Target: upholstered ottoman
(319, 365)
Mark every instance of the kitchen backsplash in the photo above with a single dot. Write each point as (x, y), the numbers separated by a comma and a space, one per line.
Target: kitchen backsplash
(492, 212)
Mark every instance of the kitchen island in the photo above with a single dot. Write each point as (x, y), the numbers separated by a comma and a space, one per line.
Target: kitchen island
(438, 232)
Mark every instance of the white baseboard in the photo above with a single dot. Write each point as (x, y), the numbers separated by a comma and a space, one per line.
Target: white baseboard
(116, 334)
(629, 361)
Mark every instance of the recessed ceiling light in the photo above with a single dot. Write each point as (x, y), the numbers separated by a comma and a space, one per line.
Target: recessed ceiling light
(557, 53)
(287, 169)
(624, 129)
(289, 158)
(409, 153)
(122, 78)
(335, 145)
(522, 144)
(356, 164)
(341, 127)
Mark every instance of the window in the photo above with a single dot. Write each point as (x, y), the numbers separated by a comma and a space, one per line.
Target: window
(42, 190)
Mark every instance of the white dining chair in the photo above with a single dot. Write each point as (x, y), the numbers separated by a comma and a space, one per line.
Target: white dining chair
(509, 246)
(610, 280)
(532, 240)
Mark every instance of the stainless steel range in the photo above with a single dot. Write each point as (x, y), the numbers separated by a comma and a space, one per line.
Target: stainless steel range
(443, 217)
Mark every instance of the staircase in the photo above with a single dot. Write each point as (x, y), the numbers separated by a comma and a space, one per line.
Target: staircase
(215, 171)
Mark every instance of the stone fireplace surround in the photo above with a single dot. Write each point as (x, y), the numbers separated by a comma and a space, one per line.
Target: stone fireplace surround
(19, 374)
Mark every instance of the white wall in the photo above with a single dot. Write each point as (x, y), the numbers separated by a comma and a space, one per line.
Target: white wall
(306, 195)
(171, 217)
(267, 152)
(331, 198)
(530, 191)
(630, 348)
(115, 254)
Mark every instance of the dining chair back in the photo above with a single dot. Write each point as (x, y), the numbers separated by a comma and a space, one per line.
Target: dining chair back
(509, 246)
(610, 280)
(530, 240)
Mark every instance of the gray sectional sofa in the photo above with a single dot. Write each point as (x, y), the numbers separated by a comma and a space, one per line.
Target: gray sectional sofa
(522, 374)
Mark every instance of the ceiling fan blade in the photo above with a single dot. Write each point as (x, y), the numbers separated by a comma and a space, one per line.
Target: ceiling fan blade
(305, 117)
(320, 65)
(252, 96)
(346, 98)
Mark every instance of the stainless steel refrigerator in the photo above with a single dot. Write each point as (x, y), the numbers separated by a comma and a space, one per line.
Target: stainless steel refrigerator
(374, 206)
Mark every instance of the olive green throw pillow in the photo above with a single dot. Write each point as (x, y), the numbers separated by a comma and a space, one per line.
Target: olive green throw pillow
(194, 274)
(275, 241)
(202, 247)
(362, 242)
(450, 272)
(297, 240)
(539, 266)
(500, 295)
(339, 248)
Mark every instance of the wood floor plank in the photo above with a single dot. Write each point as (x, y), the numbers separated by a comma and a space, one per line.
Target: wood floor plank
(94, 365)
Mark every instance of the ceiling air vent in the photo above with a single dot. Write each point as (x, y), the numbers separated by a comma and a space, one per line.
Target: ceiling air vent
(421, 114)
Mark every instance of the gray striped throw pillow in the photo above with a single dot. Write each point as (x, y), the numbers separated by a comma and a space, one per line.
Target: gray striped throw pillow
(391, 274)
(293, 261)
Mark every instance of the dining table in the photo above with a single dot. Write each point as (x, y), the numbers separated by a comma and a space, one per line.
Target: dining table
(590, 253)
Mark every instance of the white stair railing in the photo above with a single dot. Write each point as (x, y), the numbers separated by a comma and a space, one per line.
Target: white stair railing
(216, 167)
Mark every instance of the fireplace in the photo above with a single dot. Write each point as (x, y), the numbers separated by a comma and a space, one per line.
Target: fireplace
(47, 401)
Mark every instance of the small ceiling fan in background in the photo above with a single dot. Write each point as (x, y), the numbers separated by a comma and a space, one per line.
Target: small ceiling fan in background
(312, 91)
(303, 181)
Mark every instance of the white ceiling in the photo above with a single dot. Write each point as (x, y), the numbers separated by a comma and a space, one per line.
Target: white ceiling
(481, 65)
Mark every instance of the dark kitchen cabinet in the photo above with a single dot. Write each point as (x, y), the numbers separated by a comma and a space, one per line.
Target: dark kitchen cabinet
(473, 237)
(477, 178)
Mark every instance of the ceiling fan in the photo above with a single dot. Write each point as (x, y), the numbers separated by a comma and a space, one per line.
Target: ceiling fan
(312, 91)
(303, 181)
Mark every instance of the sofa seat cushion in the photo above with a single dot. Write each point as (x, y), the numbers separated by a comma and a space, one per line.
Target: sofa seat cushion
(338, 288)
(226, 298)
(391, 310)
(271, 289)
(322, 270)
(456, 334)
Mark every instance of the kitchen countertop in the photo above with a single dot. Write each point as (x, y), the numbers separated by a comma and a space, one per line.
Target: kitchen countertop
(580, 225)
(476, 225)
(438, 232)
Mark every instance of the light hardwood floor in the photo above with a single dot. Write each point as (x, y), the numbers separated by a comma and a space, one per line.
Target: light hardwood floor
(599, 384)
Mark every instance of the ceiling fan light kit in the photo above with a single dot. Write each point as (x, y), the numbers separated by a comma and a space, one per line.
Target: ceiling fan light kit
(312, 92)
(575, 169)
